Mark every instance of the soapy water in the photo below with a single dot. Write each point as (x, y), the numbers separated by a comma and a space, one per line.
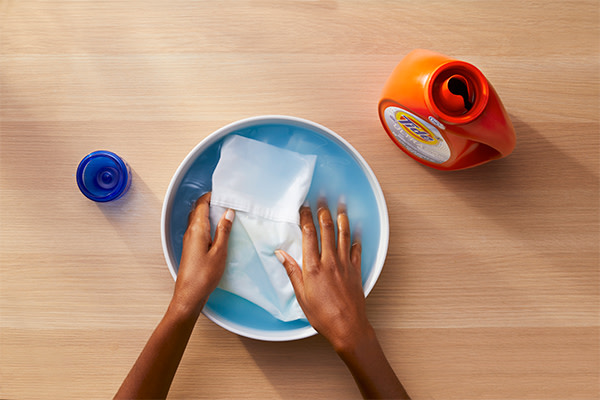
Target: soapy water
(337, 175)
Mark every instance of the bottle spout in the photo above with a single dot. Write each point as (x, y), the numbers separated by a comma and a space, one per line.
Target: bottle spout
(456, 95)
(458, 92)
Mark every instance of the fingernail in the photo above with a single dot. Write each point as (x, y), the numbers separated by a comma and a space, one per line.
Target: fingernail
(357, 233)
(306, 203)
(322, 203)
(280, 256)
(230, 215)
(342, 207)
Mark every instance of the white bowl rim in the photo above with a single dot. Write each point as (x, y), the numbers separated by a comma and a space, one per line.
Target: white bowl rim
(231, 326)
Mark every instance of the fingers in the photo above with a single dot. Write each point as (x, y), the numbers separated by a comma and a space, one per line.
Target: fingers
(222, 232)
(310, 244)
(204, 199)
(343, 234)
(201, 207)
(293, 271)
(355, 254)
(328, 244)
(198, 222)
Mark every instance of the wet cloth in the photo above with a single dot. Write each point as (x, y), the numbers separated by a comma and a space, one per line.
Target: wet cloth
(266, 185)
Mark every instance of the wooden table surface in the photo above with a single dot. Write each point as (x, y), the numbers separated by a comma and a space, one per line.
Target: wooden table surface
(491, 285)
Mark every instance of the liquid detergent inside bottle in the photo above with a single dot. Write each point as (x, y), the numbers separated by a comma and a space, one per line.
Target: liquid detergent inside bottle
(444, 113)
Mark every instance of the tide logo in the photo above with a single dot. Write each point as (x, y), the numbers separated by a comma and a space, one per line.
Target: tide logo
(415, 129)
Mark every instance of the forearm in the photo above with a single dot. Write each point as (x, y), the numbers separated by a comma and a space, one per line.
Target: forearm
(153, 372)
(370, 368)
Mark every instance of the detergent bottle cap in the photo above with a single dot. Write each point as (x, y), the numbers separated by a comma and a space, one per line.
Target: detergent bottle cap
(457, 92)
(103, 176)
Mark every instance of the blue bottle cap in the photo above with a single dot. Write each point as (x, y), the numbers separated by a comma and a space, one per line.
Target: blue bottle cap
(103, 176)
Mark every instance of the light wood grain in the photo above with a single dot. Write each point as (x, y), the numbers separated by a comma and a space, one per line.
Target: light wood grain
(491, 285)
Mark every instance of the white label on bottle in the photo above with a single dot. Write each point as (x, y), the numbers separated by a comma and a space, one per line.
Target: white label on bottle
(416, 135)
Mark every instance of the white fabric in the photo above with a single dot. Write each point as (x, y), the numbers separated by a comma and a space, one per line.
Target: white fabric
(266, 186)
(261, 179)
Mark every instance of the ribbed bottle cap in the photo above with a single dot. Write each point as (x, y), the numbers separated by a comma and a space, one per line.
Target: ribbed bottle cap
(103, 176)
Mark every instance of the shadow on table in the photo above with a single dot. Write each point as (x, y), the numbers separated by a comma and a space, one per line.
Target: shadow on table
(132, 214)
(538, 188)
(305, 368)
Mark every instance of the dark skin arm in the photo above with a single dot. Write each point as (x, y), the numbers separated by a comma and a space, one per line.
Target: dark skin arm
(329, 290)
(201, 267)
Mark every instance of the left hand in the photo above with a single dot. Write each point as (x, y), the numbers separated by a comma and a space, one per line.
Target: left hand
(202, 259)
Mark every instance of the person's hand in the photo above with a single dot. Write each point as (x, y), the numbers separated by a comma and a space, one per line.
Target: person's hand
(329, 290)
(201, 267)
(202, 259)
(329, 285)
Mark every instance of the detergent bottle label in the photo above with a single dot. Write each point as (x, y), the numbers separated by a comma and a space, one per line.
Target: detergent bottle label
(416, 135)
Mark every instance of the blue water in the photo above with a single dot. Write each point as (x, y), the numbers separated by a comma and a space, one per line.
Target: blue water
(336, 174)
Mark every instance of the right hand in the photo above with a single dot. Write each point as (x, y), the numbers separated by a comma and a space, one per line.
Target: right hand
(329, 285)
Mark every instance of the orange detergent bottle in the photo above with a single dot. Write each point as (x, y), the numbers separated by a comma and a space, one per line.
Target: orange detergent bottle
(444, 113)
